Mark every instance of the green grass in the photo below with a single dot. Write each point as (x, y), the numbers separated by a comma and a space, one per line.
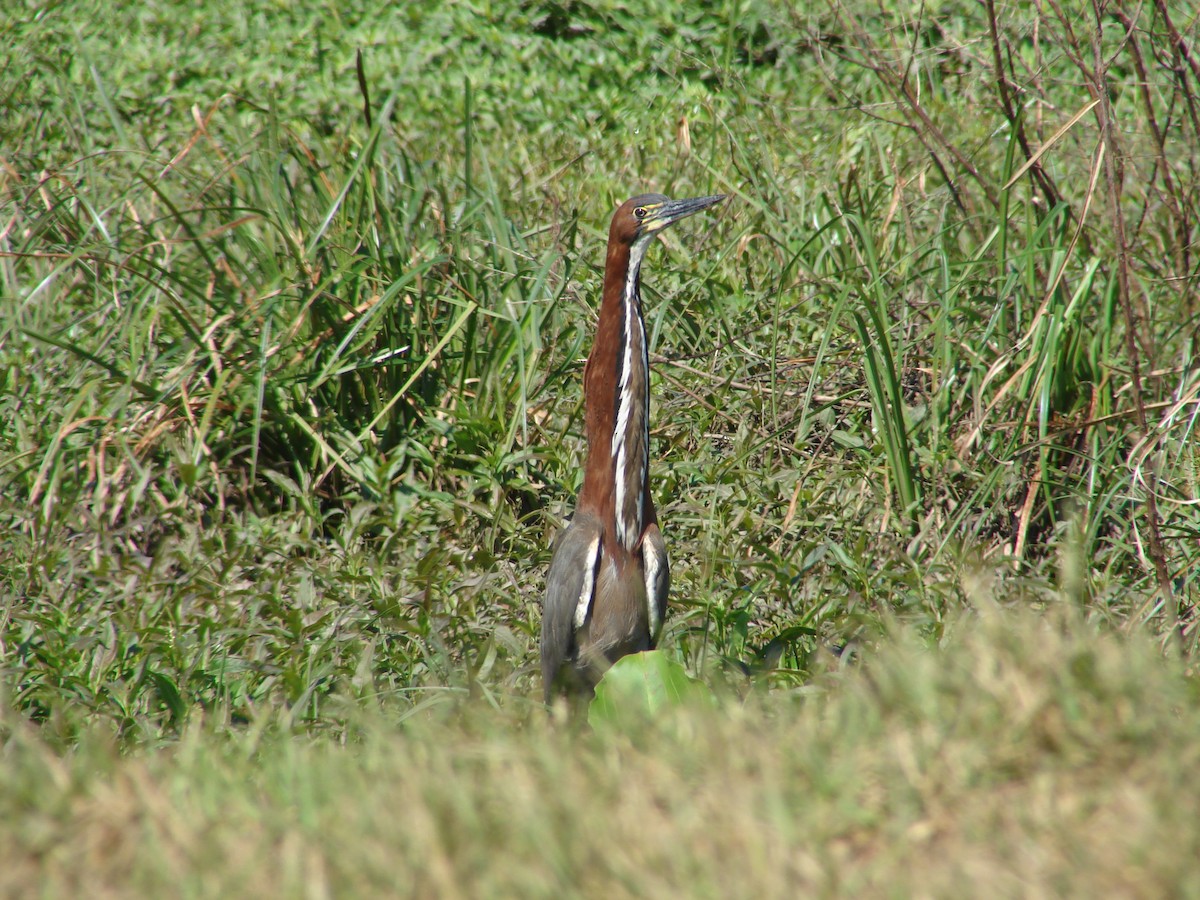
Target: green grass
(1031, 755)
(294, 306)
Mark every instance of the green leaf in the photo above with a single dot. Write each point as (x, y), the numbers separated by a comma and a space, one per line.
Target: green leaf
(640, 686)
(169, 694)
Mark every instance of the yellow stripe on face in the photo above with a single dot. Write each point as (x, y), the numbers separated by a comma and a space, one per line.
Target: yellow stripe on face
(654, 224)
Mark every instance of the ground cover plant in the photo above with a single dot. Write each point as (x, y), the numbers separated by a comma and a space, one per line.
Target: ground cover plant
(1030, 756)
(296, 299)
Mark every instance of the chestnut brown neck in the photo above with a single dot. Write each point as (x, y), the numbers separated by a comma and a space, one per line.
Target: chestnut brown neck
(616, 384)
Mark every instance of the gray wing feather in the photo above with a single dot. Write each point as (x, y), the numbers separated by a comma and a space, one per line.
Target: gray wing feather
(658, 580)
(572, 567)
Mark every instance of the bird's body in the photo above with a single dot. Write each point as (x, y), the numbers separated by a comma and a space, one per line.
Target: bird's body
(606, 591)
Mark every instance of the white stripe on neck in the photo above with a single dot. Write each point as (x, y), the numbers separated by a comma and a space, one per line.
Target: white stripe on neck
(634, 341)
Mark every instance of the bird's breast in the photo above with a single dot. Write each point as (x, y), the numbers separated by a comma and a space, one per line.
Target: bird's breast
(619, 622)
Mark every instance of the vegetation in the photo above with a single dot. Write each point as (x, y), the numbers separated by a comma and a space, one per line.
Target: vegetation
(295, 302)
(1028, 756)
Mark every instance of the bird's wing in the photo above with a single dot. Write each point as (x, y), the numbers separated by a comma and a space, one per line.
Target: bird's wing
(570, 589)
(658, 579)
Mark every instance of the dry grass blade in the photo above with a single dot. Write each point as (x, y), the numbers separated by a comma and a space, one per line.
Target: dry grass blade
(1054, 139)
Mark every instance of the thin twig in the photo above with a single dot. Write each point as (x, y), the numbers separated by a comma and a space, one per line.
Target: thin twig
(1114, 177)
(1015, 121)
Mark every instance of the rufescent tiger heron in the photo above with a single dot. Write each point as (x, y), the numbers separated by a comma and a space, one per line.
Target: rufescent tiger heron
(606, 592)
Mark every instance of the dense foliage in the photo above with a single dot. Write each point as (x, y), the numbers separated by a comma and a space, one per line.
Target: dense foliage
(296, 298)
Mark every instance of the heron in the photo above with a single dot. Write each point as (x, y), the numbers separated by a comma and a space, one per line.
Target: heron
(606, 590)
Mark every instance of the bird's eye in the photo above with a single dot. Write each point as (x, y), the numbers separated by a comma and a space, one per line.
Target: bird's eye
(640, 212)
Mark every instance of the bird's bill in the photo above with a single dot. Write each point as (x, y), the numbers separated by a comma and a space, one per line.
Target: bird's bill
(674, 210)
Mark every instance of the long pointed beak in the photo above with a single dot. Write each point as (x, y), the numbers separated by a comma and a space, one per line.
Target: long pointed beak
(674, 210)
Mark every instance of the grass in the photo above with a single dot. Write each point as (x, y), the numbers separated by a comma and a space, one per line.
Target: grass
(295, 306)
(1030, 754)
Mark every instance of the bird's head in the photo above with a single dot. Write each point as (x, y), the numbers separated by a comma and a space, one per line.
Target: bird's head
(641, 217)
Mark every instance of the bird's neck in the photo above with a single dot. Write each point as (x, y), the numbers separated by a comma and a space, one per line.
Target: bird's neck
(617, 390)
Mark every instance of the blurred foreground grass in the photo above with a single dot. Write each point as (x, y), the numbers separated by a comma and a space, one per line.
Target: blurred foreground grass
(1025, 756)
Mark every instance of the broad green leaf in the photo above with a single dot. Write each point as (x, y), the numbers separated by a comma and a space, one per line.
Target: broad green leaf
(641, 685)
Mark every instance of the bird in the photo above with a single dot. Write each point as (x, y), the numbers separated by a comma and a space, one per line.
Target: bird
(606, 589)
